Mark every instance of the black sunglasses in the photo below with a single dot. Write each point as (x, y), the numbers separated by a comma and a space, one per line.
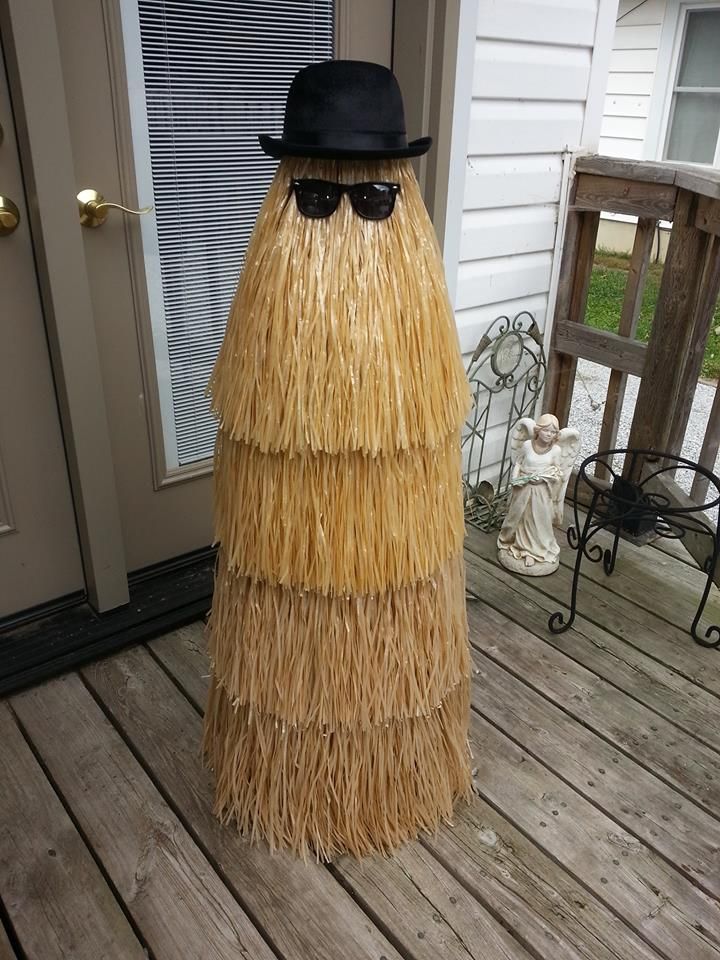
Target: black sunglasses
(320, 198)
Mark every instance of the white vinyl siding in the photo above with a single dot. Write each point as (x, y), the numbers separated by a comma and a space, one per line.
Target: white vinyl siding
(528, 108)
(206, 76)
(633, 65)
(538, 73)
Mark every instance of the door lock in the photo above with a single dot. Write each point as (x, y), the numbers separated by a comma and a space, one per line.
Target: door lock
(9, 216)
(94, 208)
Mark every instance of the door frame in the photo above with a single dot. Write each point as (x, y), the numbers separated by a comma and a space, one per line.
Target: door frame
(29, 33)
(37, 93)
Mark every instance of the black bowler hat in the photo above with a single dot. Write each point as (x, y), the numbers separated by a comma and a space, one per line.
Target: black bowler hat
(344, 109)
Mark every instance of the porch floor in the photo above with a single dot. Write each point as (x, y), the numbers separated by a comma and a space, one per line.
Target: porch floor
(595, 832)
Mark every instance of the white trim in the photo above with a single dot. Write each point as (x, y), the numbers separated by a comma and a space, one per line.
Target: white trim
(661, 100)
(130, 19)
(600, 67)
(462, 102)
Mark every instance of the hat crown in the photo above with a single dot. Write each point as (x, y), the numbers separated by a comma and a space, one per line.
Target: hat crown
(344, 109)
(344, 96)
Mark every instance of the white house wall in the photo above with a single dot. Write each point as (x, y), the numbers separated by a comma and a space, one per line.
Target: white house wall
(538, 73)
(633, 64)
(531, 76)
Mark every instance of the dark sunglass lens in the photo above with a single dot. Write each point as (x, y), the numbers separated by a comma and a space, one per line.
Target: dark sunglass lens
(374, 201)
(316, 198)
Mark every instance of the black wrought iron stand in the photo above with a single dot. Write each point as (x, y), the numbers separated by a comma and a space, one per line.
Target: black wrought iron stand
(635, 508)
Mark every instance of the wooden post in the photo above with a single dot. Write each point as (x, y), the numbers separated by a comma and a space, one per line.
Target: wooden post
(672, 332)
(632, 301)
(707, 298)
(575, 272)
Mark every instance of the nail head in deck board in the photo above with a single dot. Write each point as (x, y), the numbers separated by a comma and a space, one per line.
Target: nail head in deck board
(685, 765)
(177, 901)
(56, 897)
(652, 898)
(604, 618)
(600, 346)
(381, 884)
(642, 804)
(628, 196)
(305, 912)
(532, 894)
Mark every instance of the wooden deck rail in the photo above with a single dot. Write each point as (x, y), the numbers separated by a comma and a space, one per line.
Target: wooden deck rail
(670, 364)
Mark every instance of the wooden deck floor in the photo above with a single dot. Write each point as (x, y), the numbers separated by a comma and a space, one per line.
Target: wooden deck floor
(595, 832)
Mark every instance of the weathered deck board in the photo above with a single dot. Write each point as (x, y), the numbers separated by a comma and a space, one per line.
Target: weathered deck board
(669, 694)
(307, 911)
(423, 918)
(54, 893)
(189, 665)
(664, 642)
(641, 804)
(685, 764)
(674, 917)
(427, 909)
(6, 950)
(177, 901)
(618, 733)
(548, 909)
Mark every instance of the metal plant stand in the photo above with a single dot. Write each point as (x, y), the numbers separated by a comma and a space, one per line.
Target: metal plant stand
(636, 509)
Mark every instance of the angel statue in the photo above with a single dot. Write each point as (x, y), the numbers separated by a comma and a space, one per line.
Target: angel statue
(543, 456)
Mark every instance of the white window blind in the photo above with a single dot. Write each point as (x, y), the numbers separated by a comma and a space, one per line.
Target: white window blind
(694, 129)
(206, 76)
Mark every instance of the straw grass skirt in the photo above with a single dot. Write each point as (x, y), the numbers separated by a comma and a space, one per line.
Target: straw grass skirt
(338, 707)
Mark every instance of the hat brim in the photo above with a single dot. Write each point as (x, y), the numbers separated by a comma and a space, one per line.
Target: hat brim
(277, 147)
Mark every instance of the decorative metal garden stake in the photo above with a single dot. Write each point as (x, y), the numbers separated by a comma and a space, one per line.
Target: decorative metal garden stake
(506, 374)
(338, 709)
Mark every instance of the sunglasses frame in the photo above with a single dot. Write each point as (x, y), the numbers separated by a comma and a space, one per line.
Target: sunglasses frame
(347, 188)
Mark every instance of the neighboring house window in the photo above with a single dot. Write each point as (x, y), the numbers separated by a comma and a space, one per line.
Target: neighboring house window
(694, 127)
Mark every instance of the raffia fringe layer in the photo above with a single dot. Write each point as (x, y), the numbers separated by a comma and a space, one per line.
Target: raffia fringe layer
(351, 791)
(338, 524)
(339, 661)
(341, 336)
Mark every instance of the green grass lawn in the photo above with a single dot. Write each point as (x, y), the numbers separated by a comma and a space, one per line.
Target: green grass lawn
(607, 288)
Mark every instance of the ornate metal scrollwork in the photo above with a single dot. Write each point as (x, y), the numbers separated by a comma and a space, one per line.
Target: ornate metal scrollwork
(506, 374)
(627, 505)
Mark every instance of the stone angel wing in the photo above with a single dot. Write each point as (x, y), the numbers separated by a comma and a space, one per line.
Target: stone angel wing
(524, 430)
(568, 440)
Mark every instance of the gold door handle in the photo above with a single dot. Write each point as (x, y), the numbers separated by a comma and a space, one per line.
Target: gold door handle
(9, 216)
(94, 208)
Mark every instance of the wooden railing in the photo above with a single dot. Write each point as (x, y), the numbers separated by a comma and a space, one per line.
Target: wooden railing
(669, 365)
